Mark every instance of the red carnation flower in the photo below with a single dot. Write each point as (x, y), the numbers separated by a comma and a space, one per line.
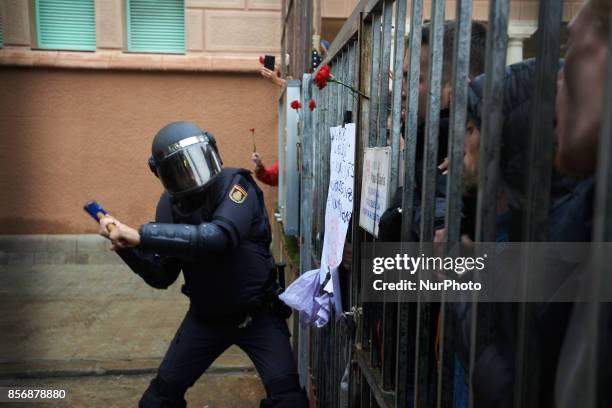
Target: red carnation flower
(323, 75)
(312, 105)
(252, 129)
(295, 104)
(261, 59)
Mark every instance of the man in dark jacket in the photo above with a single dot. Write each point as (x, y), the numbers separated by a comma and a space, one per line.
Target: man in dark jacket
(581, 111)
(570, 220)
(390, 221)
(212, 224)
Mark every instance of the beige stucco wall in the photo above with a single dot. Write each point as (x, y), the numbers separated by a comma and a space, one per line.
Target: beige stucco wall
(67, 136)
(76, 126)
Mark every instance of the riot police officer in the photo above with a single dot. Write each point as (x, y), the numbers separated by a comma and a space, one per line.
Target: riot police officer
(212, 224)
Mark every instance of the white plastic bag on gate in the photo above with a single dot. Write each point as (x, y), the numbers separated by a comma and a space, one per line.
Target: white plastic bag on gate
(300, 295)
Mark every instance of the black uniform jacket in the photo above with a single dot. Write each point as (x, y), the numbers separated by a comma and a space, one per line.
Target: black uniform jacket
(225, 283)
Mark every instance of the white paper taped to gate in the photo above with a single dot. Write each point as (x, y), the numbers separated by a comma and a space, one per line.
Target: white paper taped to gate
(374, 187)
(306, 293)
(340, 194)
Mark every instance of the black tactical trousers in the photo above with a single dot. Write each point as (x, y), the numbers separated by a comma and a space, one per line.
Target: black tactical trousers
(264, 338)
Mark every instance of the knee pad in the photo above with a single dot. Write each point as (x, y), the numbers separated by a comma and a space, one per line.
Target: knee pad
(161, 394)
(285, 392)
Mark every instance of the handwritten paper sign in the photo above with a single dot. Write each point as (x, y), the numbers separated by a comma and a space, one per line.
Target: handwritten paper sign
(340, 194)
(374, 187)
(307, 294)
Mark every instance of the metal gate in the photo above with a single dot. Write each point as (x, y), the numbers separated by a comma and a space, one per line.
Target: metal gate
(369, 45)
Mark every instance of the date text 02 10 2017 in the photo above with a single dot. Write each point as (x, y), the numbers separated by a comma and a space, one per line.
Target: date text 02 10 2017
(426, 285)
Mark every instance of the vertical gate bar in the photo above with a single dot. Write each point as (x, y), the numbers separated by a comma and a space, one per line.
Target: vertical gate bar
(348, 105)
(322, 190)
(330, 371)
(317, 372)
(360, 53)
(396, 105)
(313, 172)
(333, 102)
(490, 134)
(324, 137)
(535, 222)
(426, 312)
(342, 347)
(282, 114)
(490, 139)
(461, 66)
(365, 55)
(350, 339)
(541, 138)
(389, 322)
(454, 186)
(598, 341)
(319, 170)
(364, 75)
(411, 128)
(374, 77)
(432, 123)
(337, 367)
(306, 190)
(375, 314)
(389, 333)
(320, 390)
(375, 55)
(342, 89)
(405, 322)
(351, 70)
(383, 107)
(323, 366)
(354, 275)
(316, 361)
(334, 362)
(338, 362)
(320, 164)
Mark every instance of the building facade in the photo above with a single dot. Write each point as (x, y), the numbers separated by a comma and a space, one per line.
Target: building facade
(87, 83)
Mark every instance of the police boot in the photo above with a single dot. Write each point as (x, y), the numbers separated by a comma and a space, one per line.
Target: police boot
(285, 392)
(161, 394)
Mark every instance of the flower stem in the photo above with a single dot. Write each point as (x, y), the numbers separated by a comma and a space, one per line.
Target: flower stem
(333, 79)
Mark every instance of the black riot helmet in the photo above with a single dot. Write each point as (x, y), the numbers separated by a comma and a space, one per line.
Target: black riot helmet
(184, 157)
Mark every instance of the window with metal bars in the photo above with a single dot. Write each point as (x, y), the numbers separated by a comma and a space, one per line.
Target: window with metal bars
(156, 26)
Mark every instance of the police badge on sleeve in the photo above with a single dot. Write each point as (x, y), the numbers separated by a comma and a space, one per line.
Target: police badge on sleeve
(237, 194)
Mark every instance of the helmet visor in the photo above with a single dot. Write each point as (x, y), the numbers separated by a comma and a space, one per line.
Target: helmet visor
(188, 168)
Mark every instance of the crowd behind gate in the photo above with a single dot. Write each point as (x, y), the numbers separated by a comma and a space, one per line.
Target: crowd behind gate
(560, 329)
